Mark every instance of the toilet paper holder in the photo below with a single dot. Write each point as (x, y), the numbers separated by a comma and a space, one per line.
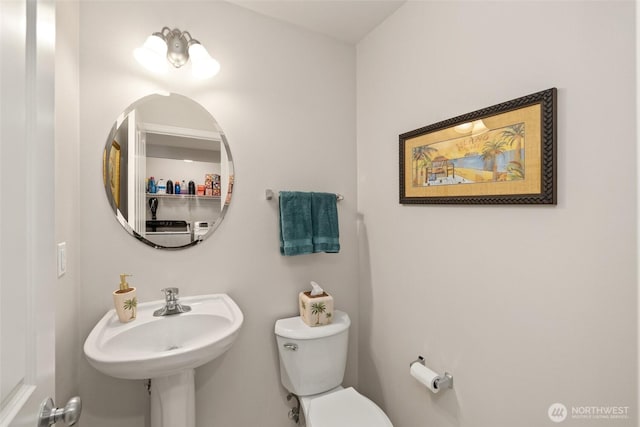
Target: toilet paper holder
(445, 382)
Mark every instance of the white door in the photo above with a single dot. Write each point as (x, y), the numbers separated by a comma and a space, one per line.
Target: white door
(27, 245)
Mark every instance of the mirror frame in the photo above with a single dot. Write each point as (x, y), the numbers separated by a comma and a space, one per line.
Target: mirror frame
(106, 176)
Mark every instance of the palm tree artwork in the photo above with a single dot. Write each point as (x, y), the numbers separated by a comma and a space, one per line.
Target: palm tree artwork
(490, 153)
(131, 304)
(515, 170)
(421, 159)
(514, 135)
(318, 308)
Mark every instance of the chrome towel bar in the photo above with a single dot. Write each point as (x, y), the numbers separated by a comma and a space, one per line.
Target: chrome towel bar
(270, 194)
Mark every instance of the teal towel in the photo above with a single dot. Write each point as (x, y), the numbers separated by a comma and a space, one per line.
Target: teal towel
(324, 223)
(295, 223)
(308, 223)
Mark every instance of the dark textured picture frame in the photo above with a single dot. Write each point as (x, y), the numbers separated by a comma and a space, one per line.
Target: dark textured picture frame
(421, 182)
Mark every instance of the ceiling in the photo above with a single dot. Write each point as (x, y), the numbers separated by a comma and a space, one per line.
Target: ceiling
(345, 20)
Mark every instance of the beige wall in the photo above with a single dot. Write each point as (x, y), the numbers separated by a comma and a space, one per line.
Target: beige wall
(67, 217)
(286, 101)
(555, 322)
(525, 305)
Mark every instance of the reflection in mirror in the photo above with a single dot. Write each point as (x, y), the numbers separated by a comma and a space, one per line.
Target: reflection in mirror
(167, 171)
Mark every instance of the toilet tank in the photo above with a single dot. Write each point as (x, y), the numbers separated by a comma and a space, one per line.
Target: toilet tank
(312, 359)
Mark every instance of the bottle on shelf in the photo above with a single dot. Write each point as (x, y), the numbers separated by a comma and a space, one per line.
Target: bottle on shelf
(169, 187)
(162, 187)
(176, 187)
(152, 186)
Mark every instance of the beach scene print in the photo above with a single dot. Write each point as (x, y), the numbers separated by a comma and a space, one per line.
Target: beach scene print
(483, 155)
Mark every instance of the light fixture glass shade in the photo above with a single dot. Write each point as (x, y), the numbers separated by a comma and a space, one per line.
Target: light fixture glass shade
(153, 54)
(202, 64)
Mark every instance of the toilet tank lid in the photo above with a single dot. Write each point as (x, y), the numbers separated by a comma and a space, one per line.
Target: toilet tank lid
(295, 328)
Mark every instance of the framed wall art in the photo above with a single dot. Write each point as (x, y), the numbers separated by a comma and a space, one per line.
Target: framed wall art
(113, 171)
(504, 154)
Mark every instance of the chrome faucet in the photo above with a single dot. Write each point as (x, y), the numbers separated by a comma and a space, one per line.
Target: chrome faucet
(172, 306)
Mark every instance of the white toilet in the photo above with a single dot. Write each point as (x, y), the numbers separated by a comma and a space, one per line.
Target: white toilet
(312, 363)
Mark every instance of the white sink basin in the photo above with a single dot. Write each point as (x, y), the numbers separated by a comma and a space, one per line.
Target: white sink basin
(152, 347)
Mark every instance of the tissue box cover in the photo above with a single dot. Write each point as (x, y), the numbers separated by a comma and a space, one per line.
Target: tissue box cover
(316, 310)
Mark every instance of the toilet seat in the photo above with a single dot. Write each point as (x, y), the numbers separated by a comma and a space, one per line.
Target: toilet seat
(345, 408)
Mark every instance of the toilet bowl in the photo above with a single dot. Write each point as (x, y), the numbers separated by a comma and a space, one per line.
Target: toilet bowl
(343, 408)
(312, 364)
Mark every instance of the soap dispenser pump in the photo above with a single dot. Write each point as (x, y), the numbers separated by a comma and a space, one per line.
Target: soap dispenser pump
(125, 301)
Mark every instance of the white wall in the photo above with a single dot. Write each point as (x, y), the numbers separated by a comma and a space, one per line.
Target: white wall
(286, 101)
(67, 146)
(525, 305)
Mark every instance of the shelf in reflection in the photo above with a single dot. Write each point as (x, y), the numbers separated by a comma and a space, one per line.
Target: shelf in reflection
(182, 196)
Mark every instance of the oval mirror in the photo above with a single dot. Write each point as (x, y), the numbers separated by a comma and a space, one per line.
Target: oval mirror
(167, 171)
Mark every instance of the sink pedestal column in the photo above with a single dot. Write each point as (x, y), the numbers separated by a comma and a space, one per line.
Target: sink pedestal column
(173, 400)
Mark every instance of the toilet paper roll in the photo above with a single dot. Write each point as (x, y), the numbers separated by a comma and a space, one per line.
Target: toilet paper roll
(426, 376)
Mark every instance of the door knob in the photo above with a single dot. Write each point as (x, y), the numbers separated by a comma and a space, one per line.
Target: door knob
(70, 414)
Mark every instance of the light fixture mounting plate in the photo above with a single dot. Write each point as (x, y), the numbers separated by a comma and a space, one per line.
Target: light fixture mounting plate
(177, 45)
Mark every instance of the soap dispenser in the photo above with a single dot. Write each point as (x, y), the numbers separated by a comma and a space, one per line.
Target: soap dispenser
(125, 301)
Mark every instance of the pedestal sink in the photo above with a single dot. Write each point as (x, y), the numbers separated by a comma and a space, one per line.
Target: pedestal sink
(166, 350)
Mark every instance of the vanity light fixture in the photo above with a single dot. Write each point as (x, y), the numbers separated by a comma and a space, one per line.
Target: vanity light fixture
(176, 47)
